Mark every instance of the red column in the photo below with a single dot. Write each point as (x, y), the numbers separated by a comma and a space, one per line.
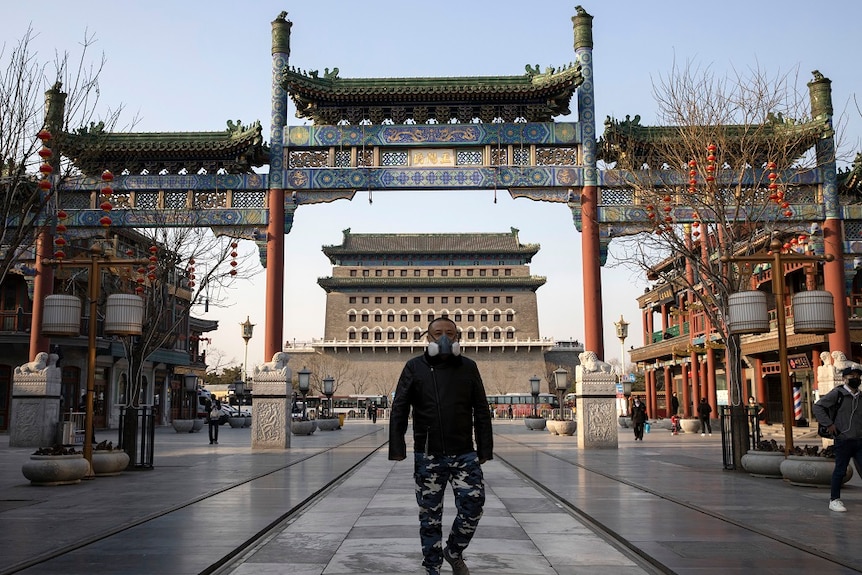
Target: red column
(43, 286)
(590, 249)
(710, 382)
(759, 382)
(274, 275)
(833, 282)
(686, 392)
(668, 389)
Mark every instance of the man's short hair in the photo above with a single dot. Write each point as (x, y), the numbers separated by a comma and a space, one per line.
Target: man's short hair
(433, 321)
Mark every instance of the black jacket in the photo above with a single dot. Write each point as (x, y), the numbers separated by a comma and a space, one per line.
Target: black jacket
(449, 403)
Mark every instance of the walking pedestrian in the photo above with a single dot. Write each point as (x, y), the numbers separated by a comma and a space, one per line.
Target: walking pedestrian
(447, 397)
(840, 411)
(703, 411)
(372, 412)
(639, 418)
(674, 404)
(214, 414)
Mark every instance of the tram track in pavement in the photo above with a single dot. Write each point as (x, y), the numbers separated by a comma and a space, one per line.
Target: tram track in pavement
(68, 558)
(536, 473)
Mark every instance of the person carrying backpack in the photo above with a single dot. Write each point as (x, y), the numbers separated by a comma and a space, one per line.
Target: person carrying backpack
(845, 425)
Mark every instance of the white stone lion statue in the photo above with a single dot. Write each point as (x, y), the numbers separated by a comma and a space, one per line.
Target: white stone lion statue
(42, 362)
(841, 363)
(591, 363)
(277, 365)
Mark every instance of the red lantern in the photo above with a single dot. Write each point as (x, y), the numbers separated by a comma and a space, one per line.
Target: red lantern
(788, 213)
(233, 272)
(44, 135)
(771, 165)
(153, 258)
(711, 148)
(62, 215)
(60, 228)
(46, 169)
(153, 249)
(233, 264)
(59, 254)
(107, 191)
(234, 245)
(130, 252)
(45, 184)
(60, 241)
(45, 153)
(139, 290)
(105, 221)
(692, 163)
(106, 206)
(152, 277)
(191, 261)
(107, 176)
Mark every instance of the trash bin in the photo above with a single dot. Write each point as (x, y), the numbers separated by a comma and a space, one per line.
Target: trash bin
(340, 420)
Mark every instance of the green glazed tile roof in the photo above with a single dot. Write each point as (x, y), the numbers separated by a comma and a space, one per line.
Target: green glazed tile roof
(236, 150)
(319, 97)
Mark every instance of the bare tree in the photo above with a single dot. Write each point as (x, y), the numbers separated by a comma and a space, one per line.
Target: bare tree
(24, 114)
(718, 178)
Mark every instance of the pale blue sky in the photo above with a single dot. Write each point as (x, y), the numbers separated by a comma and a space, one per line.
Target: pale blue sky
(188, 66)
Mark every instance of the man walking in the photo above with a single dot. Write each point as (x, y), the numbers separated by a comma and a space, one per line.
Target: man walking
(445, 391)
(703, 411)
(840, 411)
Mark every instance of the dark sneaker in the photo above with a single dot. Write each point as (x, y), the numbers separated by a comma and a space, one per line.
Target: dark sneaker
(457, 563)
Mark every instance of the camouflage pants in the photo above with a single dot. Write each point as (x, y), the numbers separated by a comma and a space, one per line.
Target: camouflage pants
(431, 473)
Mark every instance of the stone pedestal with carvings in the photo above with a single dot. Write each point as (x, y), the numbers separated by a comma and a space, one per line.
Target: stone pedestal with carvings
(35, 407)
(270, 412)
(597, 409)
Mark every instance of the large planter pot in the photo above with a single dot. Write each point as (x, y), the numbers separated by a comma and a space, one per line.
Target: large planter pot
(236, 422)
(303, 427)
(55, 469)
(810, 471)
(198, 424)
(183, 425)
(327, 424)
(763, 463)
(689, 425)
(247, 422)
(111, 462)
(565, 427)
(535, 423)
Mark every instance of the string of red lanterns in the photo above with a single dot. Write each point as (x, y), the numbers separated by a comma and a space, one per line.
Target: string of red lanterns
(233, 255)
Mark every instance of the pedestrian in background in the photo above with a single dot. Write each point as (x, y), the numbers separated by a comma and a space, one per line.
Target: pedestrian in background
(447, 397)
(214, 414)
(639, 417)
(846, 428)
(674, 404)
(703, 411)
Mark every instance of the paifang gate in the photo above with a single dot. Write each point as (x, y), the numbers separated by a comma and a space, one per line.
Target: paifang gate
(448, 133)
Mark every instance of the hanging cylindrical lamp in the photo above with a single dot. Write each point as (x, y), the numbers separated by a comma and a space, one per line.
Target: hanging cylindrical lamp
(61, 315)
(813, 312)
(747, 312)
(124, 314)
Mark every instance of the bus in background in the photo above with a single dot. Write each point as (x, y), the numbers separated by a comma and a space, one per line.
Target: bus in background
(522, 405)
(352, 406)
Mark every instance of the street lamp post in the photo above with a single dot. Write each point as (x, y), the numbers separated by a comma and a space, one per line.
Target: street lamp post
(247, 331)
(100, 257)
(304, 382)
(779, 260)
(561, 382)
(534, 391)
(328, 390)
(622, 333)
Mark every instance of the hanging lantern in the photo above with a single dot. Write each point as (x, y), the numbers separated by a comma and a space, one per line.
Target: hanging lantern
(44, 135)
(813, 312)
(61, 315)
(46, 169)
(747, 312)
(45, 153)
(124, 314)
